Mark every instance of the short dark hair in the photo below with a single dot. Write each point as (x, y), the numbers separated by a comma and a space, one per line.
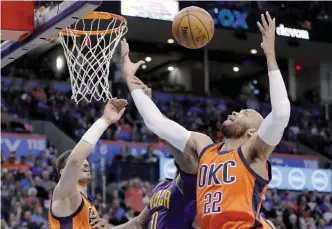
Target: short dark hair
(62, 160)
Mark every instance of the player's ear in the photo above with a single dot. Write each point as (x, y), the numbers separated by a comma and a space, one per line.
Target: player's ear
(251, 132)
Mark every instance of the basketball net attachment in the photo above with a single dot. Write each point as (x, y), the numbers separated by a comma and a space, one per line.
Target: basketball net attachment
(89, 45)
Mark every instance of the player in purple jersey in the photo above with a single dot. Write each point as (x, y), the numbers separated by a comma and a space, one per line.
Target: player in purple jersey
(173, 203)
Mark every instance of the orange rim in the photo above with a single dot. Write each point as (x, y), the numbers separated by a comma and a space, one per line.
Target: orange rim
(96, 15)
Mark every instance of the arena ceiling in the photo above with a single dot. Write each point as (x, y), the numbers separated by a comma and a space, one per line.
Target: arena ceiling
(217, 68)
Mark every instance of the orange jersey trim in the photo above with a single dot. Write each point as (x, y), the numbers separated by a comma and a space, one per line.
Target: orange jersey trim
(79, 219)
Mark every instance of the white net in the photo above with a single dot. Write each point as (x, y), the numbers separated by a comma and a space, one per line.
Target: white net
(89, 45)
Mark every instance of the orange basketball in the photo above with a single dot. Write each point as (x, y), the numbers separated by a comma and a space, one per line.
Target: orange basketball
(193, 27)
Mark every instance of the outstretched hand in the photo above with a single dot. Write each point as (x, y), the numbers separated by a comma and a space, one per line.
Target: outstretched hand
(141, 85)
(96, 222)
(129, 68)
(114, 109)
(268, 30)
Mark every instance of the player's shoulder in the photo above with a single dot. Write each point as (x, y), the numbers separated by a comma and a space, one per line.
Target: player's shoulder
(209, 148)
(201, 141)
(161, 184)
(201, 138)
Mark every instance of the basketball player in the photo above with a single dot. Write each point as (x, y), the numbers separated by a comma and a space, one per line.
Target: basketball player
(70, 208)
(232, 176)
(173, 202)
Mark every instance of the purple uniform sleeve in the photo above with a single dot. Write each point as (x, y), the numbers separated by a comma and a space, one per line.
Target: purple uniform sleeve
(189, 183)
(189, 191)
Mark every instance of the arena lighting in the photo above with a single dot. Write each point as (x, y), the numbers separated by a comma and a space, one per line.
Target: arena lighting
(298, 67)
(170, 41)
(144, 66)
(253, 51)
(170, 68)
(148, 59)
(236, 69)
(59, 62)
(254, 81)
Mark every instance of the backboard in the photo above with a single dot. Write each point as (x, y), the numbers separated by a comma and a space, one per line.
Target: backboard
(50, 17)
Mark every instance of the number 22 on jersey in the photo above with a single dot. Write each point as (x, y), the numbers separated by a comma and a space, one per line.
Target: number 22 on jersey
(212, 202)
(154, 220)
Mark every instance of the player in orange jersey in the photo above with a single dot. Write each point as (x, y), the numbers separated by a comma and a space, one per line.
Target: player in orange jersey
(70, 208)
(232, 176)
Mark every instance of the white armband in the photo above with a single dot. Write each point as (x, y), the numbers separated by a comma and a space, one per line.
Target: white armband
(272, 128)
(93, 134)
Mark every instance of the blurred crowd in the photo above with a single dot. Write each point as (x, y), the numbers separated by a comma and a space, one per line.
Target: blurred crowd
(202, 114)
(305, 210)
(27, 185)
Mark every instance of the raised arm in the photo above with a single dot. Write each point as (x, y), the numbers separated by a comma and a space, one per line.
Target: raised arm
(66, 187)
(187, 161)
(272, 128)
(182, 139)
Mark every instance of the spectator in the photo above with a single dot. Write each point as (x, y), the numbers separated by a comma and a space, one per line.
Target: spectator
(134, 196)
(117, 213)
(26, 181)
(46, 183)
(32, 201)
(44, 159)
(39, 94)
(37, 169)
(23, 165)
(293, 222)
(38, 217)
(11, 164)
(328, 215)
(149, 156)
(42, 193)
(123, 131)
(30, 160)
(28, 223)
(8, 183)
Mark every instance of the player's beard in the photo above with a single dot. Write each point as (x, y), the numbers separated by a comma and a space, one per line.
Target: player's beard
(84, 181)
(233, 130)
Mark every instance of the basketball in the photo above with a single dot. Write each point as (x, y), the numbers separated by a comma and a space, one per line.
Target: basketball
(193, 27)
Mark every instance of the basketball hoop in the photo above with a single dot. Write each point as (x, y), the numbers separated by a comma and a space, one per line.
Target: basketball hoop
(89, 45)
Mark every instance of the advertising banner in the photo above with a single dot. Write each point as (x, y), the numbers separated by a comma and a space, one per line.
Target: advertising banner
(290, 160)
(285, 178)
(300, 178)
(22, 144)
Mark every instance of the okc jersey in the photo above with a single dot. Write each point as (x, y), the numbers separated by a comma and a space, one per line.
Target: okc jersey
(229, 192)
(173, 203)
(79, 219)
